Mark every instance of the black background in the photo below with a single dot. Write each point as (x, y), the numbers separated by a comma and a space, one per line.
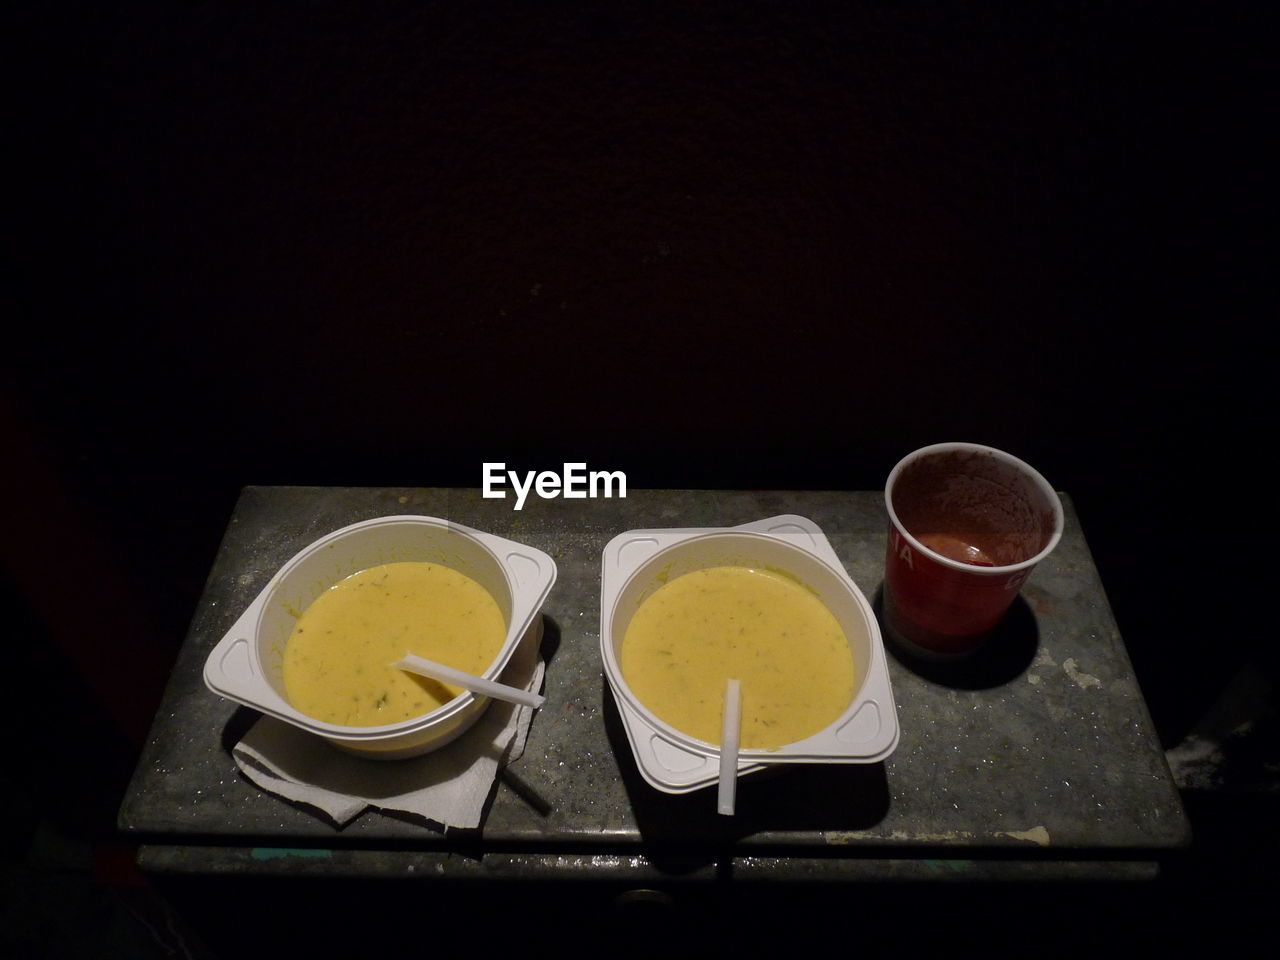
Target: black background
(710, 245)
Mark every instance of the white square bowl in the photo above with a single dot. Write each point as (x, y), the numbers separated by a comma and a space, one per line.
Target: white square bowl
(247, 664)
(636, 563)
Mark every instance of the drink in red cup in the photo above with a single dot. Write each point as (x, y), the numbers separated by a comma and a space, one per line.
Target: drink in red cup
(967, 525)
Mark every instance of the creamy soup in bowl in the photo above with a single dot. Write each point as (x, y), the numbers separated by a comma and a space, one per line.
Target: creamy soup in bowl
(338, 658)
(761, 627)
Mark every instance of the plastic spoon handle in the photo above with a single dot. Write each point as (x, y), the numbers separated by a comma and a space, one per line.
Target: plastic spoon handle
(469, 681)
(729, 748)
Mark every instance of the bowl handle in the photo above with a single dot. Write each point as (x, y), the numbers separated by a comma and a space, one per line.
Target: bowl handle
(232, 670)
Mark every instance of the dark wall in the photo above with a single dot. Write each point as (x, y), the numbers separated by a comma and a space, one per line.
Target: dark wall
(722, 244)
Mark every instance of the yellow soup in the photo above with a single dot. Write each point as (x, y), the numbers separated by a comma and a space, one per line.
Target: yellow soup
(337, 659)
(770, 632)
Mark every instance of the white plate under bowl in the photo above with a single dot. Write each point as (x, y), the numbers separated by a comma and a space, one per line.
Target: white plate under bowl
(636, 563)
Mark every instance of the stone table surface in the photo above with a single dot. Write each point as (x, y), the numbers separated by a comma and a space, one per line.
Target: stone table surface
(1036, 758)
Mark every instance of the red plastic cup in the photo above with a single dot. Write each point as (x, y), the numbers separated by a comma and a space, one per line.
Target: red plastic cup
(967, 525)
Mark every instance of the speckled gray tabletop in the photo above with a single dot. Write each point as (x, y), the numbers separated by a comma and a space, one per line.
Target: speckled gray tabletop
(1037, 757)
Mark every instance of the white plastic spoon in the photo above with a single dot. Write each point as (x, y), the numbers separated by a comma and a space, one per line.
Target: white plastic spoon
(469, 681)
(729, 747)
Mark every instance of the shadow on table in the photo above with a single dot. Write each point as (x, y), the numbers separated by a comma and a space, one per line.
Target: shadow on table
(238, 724)
(1005, 655)
(783, 806)
(550, 642)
